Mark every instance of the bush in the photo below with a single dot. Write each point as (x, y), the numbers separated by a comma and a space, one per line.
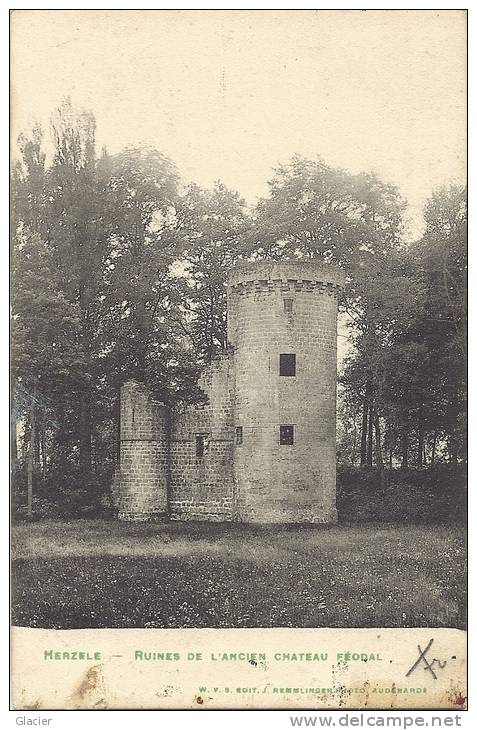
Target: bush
(432, 495)
(62, 494)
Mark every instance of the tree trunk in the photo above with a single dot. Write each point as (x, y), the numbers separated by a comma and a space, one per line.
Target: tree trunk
(434, 444)
(60, 439)
(453, 449)
(377, 430)
(85, 435)
(369, 450)
(43, 452)
(355, 436)
(364, 424)
(364, 429)
(13, 441)
(31, 456)
(404, 449)
(37, 440)
(420, 447)
(453, 444)
(211, 334)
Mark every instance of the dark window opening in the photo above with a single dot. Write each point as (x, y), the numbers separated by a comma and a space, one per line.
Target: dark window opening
(287, 435)
(201, 444)
(288, 305)
(239, 435)
(288, 365)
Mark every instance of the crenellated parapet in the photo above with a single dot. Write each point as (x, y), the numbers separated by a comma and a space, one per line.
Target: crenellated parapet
(269, 273)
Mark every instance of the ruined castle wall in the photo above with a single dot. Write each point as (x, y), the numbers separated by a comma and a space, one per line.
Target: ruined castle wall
(230, 457)
(277, 482)
(201, 485)
(142, 480)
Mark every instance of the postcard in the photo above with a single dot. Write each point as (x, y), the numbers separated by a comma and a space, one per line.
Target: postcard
(238, 359)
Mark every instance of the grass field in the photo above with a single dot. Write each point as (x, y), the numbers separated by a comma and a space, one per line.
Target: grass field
(92, 573)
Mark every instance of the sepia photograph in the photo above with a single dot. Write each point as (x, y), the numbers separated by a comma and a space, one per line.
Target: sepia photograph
(238, 323)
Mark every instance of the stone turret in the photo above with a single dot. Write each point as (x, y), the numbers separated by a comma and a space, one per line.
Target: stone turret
(282, 325)
(144, 464)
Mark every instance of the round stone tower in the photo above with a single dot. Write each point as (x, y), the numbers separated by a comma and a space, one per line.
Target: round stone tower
(144, 465)
(282, 325)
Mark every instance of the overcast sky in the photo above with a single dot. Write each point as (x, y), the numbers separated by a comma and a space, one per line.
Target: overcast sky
(229, 94)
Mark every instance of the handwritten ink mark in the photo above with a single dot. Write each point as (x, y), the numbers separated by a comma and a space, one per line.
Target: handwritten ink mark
(422, 658)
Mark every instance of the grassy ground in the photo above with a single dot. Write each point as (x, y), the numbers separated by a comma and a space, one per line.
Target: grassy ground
(109, 574)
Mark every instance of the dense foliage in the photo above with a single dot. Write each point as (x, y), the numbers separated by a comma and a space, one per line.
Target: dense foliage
(118, 272)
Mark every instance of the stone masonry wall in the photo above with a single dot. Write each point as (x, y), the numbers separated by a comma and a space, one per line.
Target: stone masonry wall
(202, 487)
(144, 465)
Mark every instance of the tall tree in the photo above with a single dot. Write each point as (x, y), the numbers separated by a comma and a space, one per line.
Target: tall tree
(142, 331)
(442, 257)
(316, 211)
(212, 227)
(77, 234)
(45, 332)
(417, 351)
